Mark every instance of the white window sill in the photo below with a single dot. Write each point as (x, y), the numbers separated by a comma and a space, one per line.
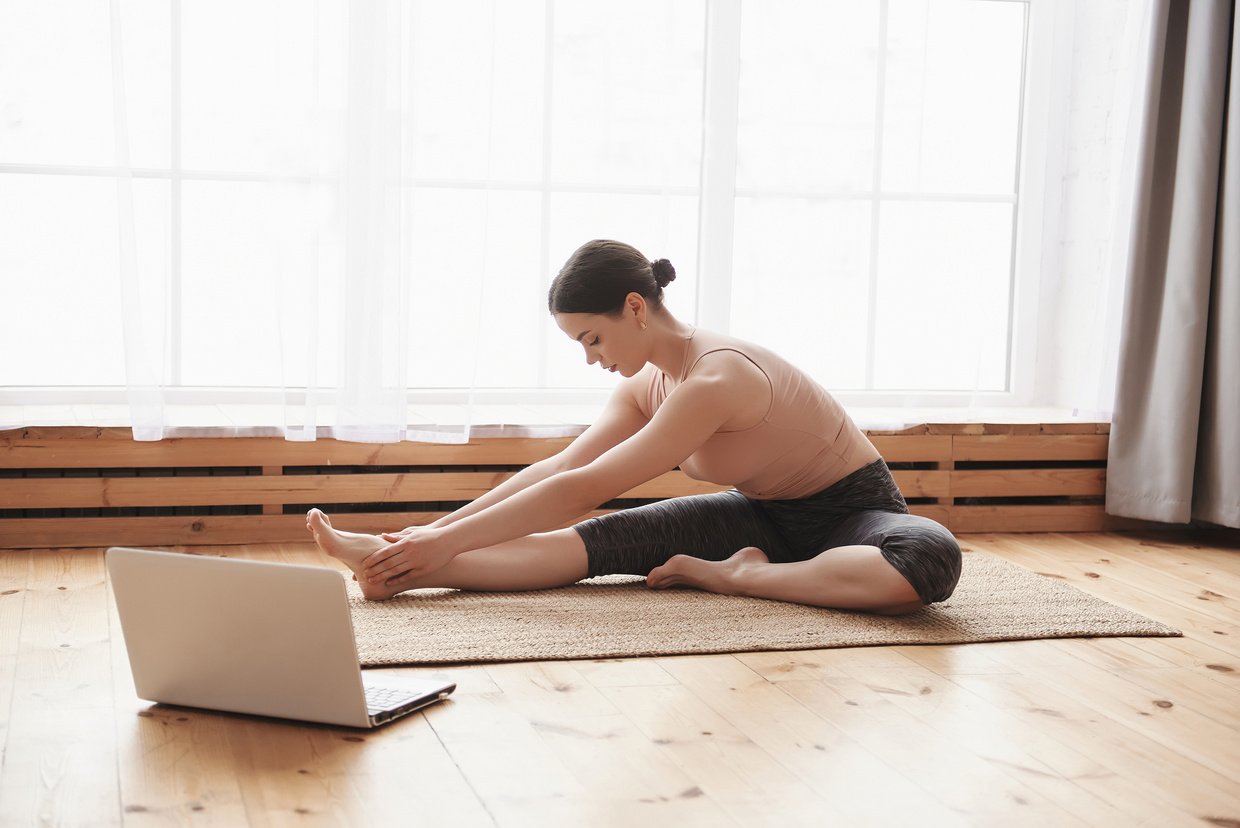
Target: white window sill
(558, 420)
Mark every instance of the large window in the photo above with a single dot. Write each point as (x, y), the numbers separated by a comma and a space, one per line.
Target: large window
(876, 189)
(839, 181)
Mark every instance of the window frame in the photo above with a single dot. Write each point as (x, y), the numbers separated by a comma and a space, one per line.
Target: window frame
(1033, 250)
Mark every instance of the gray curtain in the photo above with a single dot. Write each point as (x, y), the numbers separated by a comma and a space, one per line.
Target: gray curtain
(1175, 438)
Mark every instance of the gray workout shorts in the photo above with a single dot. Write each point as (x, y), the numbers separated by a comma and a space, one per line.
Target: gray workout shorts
(864, 508)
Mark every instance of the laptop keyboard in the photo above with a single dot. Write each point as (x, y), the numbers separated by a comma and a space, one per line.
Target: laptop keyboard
(379, 699)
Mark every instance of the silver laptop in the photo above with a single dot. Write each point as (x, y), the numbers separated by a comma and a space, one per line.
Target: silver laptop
(267, 639)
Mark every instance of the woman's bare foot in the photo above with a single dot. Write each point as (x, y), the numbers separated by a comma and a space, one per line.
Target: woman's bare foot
(723, 577)
(350, 548)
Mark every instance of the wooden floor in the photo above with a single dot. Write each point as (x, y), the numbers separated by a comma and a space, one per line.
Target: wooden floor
(1066, 732)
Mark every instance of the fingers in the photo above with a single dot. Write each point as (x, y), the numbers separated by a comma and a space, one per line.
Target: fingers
(386, 562)
(379, 555)
(393, 539)
(402, 578)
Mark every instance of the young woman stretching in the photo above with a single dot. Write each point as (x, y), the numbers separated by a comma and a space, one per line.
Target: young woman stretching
(814, 517)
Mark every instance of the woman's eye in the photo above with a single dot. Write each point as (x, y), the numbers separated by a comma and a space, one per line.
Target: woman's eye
(594, 341)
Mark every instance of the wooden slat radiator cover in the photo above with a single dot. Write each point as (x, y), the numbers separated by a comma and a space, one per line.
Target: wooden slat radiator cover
(97, 487)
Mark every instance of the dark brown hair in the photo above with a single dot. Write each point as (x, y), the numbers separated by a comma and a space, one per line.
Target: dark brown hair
(600, 273)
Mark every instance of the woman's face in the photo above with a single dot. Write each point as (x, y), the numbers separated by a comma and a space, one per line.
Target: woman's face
(610, 342)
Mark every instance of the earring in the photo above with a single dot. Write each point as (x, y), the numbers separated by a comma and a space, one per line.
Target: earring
(643, 324)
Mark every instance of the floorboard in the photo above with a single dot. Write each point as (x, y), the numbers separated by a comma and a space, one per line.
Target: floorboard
(1108, 731)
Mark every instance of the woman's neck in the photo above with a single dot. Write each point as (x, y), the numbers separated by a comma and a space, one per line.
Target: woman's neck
(671, 343)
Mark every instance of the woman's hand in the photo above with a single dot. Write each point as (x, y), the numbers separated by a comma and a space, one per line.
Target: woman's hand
(412, 553)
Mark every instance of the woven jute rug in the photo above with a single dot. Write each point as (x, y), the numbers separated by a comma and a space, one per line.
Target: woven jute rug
(618, 616)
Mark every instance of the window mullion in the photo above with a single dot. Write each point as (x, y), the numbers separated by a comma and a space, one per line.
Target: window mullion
(175, 315)
(544, 247)
(876, 189)
(717, 202)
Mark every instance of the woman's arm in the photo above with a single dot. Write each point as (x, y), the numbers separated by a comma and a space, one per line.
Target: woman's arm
(687, 419)
(620, 419)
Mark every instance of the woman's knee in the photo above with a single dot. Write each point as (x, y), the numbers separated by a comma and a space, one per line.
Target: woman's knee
(926, 554)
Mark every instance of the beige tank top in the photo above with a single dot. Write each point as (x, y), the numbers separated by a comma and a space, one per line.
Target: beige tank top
(805, 442)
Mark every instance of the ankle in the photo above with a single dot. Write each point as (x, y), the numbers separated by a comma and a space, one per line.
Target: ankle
(740, 578)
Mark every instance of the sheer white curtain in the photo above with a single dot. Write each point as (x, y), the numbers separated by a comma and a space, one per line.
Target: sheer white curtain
(320, 271)
(1094, 125)
(349, 211)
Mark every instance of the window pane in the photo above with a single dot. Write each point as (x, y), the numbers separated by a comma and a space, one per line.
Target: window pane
(59, 275)
(807, 96)
(944, 274)
(55, 84)
(477, 104)
(953, 94)
(248, 81)
(230, 285)
(801, 283)
(660, 227)
(628, 93)
(478, 296)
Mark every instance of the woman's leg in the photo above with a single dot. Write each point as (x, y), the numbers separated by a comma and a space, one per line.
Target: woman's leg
(846, 577)
(711, 526)
(541, 561)
(878, 561)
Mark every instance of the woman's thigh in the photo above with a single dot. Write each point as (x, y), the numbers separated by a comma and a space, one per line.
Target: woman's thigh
(712, 527)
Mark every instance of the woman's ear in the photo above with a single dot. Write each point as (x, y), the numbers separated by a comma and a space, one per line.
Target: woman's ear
(635, 304)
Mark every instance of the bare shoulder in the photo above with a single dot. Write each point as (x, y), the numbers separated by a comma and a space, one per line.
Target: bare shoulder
(732, 368)
(740, 383)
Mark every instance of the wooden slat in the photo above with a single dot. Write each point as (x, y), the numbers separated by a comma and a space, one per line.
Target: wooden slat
(914, 448)
(105, 492)
(575, 725)
(60, 758)
(1030, 447)
(1061, 772)
(1027, 482)
(815, 750)
(14, 579)
(918, 483)
(272, 471)
(1137, 774)
(244, 490)
(1085, 518)
(942, 514)
(673, 484)
(939, 780)
(41, 533)
(109, 449)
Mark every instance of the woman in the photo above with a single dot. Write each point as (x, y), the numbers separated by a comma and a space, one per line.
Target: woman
(814, 517)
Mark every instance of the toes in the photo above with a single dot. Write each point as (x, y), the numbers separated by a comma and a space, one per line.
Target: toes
(319, 516)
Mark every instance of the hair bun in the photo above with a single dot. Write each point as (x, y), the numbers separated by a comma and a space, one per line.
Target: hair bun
(663, 271)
